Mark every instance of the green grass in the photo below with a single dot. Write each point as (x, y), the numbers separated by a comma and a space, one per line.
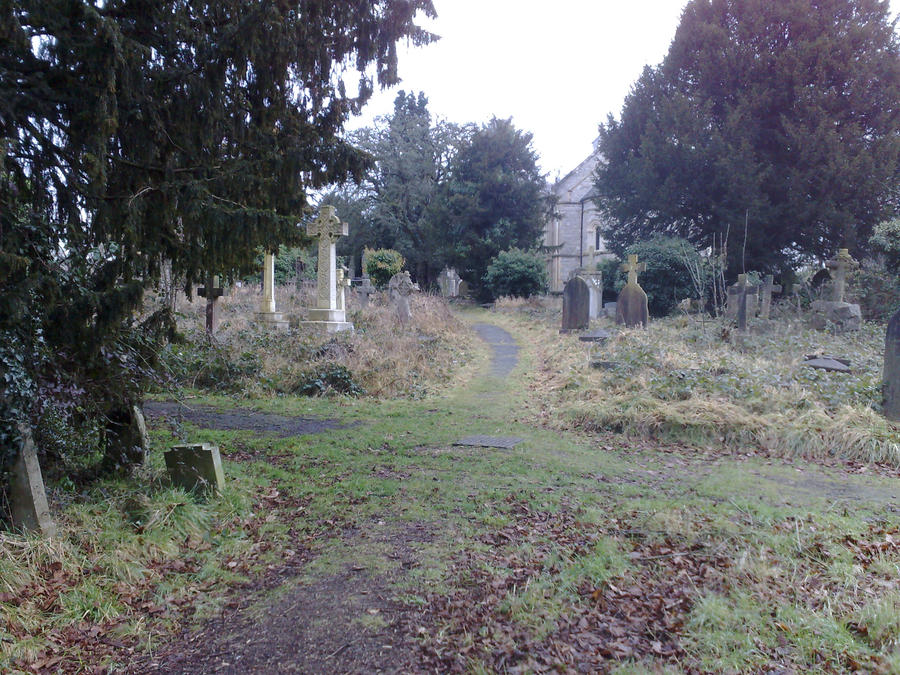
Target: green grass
(803, 544)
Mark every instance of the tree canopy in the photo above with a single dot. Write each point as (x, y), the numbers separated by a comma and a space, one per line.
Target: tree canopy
(493, 200)
(778, 117)
(139, 134)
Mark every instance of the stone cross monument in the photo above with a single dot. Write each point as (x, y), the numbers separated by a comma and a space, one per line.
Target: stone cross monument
(328, 228)
(740, 291)
(267, 314)
(842, 262)
(212, 292)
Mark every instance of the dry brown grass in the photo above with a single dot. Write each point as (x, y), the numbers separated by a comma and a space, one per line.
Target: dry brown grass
(682, 381)
(385, 358)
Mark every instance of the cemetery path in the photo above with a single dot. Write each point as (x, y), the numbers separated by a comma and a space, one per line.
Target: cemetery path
(406, 546)
(505, 351)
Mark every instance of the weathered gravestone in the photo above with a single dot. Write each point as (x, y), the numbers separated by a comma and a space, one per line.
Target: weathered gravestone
(400, 287)
(631, 305)
(448, 281)
(891, 386)
(766, 290)
(267, 314)
(741, 293)
(27, 498)
(463, 289)
(212, 292)
(328, 228)
(364, 289)
(576, 305)
(195, 466)
(343, 283)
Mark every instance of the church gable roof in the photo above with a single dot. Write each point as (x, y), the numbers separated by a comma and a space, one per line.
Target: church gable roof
(578, 184)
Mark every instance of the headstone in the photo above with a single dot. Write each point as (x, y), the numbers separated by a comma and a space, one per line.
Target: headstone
(363, 290)
(631, 305)
(463, 289)
(328, 228)
(267, 314)
(841, 264)
(843, 316)
(742, 291)
(765, 295)
(576, 305)
(609, 308)
(400, 288)
(343, 283)
(27, 497)
(195, 466)
(448, 281)
(594, 280)
(748, 295)
(891, 386)
(212, 292)
(140, 428)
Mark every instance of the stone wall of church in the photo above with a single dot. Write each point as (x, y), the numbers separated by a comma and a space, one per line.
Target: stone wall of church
(576, 225)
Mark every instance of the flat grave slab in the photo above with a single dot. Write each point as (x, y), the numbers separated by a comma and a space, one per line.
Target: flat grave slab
(490, 441)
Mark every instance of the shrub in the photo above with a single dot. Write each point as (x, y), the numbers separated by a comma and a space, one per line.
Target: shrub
(382, 264)
(516, 273)
(885, 241)
(667, 280)
(877, 290)
(328, 378)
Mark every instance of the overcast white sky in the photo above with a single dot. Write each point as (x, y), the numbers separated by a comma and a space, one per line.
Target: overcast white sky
(556, 67)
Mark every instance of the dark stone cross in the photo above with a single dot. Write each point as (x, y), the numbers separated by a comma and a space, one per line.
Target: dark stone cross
(212, 292)
(741, 290)
(766, 290)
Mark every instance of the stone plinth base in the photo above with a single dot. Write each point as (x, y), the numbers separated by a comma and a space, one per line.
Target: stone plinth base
(330, 315)
(327, 326)
(274, 320)
(844, 316)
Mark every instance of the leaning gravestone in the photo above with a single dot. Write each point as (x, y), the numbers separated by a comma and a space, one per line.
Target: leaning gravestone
(195, 466)
(891, 386)
(27, 498)
(631, 305)
(766, 290)
(363, 291)
(576, 305)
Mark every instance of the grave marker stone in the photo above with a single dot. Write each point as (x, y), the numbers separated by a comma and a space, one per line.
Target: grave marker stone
(27, 497)
(742, 291)
(267, 314)
(328, 228)
(212, 291)
(576, 305)
(891, 386)
(765, 291)
(448, 281)
(400, 288)
(343, 283)
(843, 316)
(631, 305)
(195, 466)
(363, 291)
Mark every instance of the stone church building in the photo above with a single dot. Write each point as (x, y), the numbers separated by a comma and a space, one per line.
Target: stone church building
(574, 235)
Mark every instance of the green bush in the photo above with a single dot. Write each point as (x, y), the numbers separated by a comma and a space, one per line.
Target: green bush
(885, 241)
(877, 290)
(328, 378)
(666, 280)
(516, 273)
(382, 264)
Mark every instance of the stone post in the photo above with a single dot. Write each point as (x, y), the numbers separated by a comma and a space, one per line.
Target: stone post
(891, 386)
(27, 497)
(840, 264)
(212, 292)
(267, 314)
